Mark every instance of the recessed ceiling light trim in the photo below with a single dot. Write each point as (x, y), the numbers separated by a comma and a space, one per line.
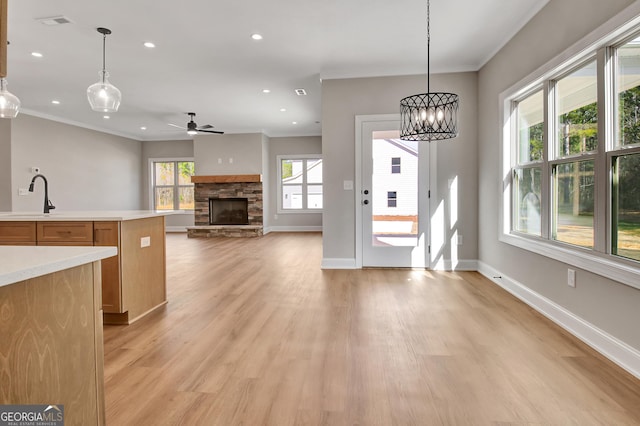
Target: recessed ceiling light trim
(36, 54)
(149, 44)
(55, 102)
(256, 36)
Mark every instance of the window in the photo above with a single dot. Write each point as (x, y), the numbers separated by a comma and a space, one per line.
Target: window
(171, 185)
(395, 165)
(300, 183)
(392, 199)
(571, 156)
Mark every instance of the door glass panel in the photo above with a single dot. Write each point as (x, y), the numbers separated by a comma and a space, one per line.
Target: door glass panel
(394, 196)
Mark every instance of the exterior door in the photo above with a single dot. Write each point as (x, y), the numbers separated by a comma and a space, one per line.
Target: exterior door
(393, 205)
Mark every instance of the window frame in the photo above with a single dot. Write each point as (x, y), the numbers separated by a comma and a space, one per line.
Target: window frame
(601, 46)
(176, 186)
(305, 184)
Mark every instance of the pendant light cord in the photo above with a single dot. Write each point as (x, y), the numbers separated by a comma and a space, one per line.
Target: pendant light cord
(428, 46)
(104, 47)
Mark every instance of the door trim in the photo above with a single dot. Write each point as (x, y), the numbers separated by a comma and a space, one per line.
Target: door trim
(360, 121)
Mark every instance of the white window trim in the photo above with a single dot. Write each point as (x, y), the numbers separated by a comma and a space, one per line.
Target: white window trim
(279, 159)
(609, 266)
(150, 189)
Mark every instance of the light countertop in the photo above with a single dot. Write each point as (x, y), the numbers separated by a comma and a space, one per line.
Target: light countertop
(19, 263)
(96, 216)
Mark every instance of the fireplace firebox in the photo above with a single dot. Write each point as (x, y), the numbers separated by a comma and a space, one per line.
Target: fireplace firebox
(228, 211)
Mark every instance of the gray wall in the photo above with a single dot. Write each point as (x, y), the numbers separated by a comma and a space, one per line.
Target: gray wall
(611, 306)
(289, 146)
(86, 170)
(342, 100)
(239, 154)
(164, 149)
(5, 164)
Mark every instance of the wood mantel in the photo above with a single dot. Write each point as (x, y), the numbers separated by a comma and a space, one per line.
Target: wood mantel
(226, 178)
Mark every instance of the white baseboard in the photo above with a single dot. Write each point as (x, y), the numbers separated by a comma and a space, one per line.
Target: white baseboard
(614, 349)
(175, 228)
(460, 265)
(338, 263)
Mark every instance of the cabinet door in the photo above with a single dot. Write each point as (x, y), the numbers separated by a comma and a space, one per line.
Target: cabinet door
(18, 233)
(108, 234)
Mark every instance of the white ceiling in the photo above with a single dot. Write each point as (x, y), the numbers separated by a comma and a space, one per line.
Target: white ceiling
(206, 62)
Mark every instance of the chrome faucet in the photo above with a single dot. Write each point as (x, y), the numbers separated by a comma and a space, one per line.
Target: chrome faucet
(47, 204)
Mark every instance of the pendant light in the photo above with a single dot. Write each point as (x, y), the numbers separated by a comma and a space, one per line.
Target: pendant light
(104, 96)
(429, 116)
(9, 103)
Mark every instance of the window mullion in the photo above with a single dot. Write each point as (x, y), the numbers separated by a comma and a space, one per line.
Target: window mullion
(547, 150)
(606, 131)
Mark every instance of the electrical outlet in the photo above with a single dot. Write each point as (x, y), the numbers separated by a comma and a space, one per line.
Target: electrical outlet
(23, 191)
(145, 241)
(571, 278)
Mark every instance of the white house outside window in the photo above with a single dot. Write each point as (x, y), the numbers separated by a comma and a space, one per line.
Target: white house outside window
(300, 183)
(171, 185)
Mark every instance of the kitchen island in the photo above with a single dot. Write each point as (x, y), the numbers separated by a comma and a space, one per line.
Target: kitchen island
(134, 281)
(51, 343)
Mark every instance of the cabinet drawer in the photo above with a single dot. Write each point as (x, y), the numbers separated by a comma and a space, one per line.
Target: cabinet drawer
(18, 233)
(65, 232)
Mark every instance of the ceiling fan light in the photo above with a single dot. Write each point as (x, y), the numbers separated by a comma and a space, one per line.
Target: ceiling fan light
(104, 96)
(192, 132)
(9, 103)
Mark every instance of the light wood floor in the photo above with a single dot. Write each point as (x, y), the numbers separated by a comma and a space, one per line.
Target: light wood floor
(256, 334)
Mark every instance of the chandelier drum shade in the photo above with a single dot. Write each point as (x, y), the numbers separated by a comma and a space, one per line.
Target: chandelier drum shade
(429, 116)
(432, 115)
(9, 103)
(104, 96)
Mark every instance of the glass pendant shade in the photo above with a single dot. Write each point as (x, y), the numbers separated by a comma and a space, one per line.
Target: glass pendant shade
(9, 103)
(104, 96)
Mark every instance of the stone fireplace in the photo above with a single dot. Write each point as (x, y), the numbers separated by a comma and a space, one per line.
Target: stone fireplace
(227, 206)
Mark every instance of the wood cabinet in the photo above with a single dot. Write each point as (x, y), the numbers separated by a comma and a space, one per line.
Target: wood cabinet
(133, 282)
(108, 234)
(64, 233)
(17, 233)
(52, 343)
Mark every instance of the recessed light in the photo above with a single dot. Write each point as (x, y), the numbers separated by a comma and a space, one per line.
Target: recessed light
(283, 110)
(106, 117)
(36, 54)
(143, 128)
(266, 91)
(256, 36)
(149, 44)
(301, 92)
(294, 122)
(55, 102)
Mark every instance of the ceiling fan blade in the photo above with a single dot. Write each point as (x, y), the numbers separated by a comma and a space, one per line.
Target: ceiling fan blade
(211, 131)
(175, 125)
(206, 126)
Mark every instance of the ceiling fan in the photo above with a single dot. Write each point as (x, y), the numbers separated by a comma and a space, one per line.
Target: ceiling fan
(193, 128)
